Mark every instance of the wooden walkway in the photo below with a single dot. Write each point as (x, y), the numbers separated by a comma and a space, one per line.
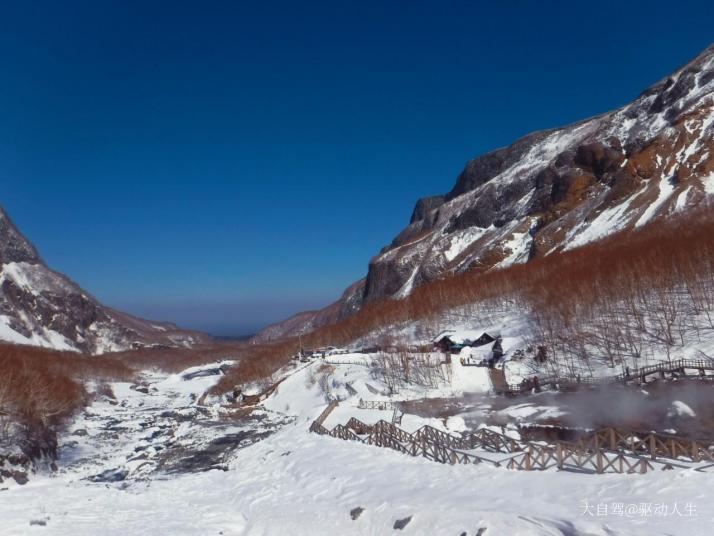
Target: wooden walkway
(681, 368)
(653, 445)
(498, 380)
(325, 413)
(608, 450)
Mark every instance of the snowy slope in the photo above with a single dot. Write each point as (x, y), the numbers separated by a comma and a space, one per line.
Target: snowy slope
(41, 307)
(299, 483)
(313, 484)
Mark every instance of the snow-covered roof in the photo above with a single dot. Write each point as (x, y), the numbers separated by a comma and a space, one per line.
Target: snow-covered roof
(464, 337)
(446, 333)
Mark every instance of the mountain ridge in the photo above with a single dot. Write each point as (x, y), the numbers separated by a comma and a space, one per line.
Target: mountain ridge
(555, 189)
(42, 307)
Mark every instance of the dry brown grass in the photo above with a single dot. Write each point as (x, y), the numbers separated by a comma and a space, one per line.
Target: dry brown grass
(46, 385)
(257, 363)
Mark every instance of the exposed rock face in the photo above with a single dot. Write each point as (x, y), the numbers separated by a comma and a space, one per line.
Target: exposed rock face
(425, 207)
(44, 308)
(561, 188)
(13, 246)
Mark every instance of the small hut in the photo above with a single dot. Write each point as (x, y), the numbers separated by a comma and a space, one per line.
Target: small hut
(448, 342)
(483, 340)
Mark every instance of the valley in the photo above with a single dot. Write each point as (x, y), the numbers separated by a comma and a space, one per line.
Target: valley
(531, 355)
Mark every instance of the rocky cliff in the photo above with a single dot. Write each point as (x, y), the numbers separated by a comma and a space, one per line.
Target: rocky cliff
(41, 307)
(561, 188)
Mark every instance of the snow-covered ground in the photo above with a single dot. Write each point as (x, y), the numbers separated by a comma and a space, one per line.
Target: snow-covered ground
(297, 483)
(153, 461)
(162, 424)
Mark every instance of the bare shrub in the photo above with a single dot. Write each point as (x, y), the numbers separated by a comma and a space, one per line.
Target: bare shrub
(396, 369)
(40, 388)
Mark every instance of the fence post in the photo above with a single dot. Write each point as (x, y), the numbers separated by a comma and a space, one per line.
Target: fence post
(672, 451)
(695, 452)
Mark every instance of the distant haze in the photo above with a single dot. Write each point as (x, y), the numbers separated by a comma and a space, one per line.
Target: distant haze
(222, 319)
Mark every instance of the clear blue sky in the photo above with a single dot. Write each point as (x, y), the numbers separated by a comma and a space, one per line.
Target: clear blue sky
(225, 164)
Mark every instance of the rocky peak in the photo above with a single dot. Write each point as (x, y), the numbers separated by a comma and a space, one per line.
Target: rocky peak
(425, 206)
(482, 169)
(14, 247)
(41, 307)
(671, 93)
(559, 188)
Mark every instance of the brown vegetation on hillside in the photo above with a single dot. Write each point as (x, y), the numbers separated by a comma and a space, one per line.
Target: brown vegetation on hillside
(254, 362)
(40, 388)
(47, 385)
(617, 299)
(637, 294)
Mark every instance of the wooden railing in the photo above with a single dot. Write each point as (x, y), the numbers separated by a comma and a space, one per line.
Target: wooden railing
(607, 450)
(317, 423)
(650, 444)
(337, 361)
(384, 405)
(566, 455)
(637, 376)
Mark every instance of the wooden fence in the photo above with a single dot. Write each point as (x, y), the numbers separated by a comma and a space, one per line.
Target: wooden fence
(317, 423)
(650, 444)
(677, 368)
(337, 361)
(605, 451)
(384, 405)
(568, 455)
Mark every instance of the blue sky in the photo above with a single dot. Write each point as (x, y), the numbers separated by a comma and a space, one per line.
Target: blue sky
(225, 164)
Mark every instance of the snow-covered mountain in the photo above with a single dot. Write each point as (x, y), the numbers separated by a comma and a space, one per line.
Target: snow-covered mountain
(41, 307)
(554, 190)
